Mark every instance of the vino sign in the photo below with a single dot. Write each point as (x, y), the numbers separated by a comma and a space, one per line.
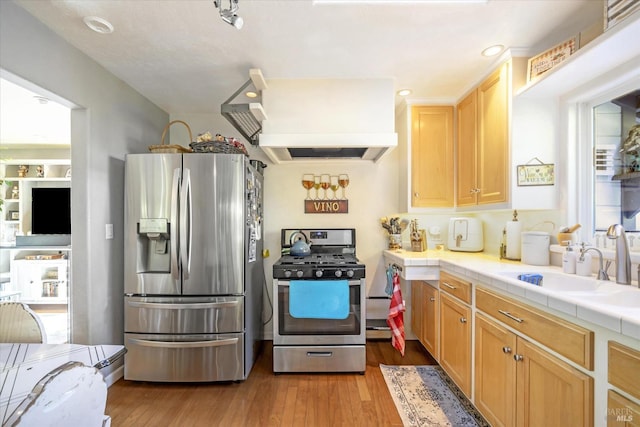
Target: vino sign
(322, 201)
(326, 206)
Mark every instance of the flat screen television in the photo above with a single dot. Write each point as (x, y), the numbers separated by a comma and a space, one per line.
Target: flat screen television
(50, 210)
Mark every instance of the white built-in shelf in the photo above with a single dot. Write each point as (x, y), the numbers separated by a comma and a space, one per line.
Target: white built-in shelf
(617, 48)
(45, 178)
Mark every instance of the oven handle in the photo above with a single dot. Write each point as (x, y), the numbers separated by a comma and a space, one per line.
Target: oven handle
(183, 306)
(286, 282)
(319, 353)
(184, 344)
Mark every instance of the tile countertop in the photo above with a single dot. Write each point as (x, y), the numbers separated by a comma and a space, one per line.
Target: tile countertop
(623, 318)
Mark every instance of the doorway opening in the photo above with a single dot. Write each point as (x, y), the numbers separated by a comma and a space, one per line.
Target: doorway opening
(35, 159)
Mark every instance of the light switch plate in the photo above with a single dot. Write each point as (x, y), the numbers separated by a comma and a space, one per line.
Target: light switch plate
(108, 231)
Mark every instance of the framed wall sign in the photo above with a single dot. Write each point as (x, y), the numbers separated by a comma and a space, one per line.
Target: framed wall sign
(549, 59)
(14, 215)
(536, 174)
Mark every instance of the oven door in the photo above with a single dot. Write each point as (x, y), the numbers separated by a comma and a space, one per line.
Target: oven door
(290, 330)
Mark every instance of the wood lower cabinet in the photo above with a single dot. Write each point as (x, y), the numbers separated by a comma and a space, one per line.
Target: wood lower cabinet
(455, 341)
(432, 156)
(519, 383)
(431, 320)
(424, 315)
(417, 311)
(624, 368)
(622, 412)
(495, 372)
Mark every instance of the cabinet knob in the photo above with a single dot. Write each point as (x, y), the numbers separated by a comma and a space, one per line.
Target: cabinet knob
(463, 320)
(416, 194)
(518, 357)
(432, 299)
(506, 349)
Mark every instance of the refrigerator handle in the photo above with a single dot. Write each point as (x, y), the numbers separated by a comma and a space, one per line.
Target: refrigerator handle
(173, 232)
(185, 223)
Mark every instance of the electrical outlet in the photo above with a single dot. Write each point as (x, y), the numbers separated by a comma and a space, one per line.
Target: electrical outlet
(108, 231)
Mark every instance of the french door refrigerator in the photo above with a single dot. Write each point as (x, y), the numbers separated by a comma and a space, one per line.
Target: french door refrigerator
(193, 267)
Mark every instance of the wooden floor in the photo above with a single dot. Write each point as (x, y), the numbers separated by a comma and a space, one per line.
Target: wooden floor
(265, 399)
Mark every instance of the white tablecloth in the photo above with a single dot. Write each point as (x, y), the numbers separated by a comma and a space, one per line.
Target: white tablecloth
(23, 365)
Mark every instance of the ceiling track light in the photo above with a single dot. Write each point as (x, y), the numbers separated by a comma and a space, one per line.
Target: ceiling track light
(229, 15)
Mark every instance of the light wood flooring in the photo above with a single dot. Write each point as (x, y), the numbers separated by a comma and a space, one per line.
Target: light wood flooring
(265, 399)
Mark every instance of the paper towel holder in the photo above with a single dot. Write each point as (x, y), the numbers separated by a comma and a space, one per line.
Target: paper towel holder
(510, 247)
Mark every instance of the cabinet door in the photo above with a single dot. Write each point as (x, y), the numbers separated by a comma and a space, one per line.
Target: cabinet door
(416, 308)
(549, 391)
(495, 372)
(430, 320)
(466, 158)
(621, 412)
(432, 156)
(493, 137)
(455, 341)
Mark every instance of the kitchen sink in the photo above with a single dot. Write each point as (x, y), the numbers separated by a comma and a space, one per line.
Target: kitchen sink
(560, 282)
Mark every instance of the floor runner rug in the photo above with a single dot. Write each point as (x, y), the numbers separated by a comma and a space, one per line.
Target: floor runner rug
(426, 396)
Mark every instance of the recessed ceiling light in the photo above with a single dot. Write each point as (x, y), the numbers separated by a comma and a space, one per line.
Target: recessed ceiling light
(251, 94)
(99, 25)
(404, 92)
(493, 50)
(41, 100)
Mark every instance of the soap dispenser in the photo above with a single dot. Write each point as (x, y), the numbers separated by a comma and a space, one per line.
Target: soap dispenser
(583, 262)
(569, 260)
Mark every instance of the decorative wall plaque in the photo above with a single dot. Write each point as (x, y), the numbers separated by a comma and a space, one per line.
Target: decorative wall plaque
(326, 197)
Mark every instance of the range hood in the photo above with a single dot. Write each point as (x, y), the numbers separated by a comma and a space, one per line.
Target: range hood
(327, 146)
(247, 117)
(318, 119)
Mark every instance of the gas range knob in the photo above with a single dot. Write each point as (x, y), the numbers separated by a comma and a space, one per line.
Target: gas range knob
(287, 273)
(338, 273)
(350, 273)
(318, 273)
(299, 273)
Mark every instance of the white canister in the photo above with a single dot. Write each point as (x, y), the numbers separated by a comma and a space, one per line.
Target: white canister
(569, 260)
(535, 247)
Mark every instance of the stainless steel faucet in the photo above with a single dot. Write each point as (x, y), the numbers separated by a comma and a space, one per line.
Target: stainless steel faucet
(623, 261)
(602, 272)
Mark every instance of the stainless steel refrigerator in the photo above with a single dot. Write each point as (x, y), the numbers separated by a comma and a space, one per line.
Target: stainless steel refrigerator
(194, 272)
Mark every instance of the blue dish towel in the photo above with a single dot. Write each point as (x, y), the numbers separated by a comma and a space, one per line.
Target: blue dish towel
(319, 299)
(535, 279)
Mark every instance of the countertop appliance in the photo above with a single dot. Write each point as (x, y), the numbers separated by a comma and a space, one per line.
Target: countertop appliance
(465, 235)
(319, 304)
(193, 267)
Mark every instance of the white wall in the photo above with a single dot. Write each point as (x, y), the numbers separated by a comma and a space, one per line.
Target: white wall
(109, 120)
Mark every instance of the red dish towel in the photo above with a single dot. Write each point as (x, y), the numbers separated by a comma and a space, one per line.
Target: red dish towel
(395, 319)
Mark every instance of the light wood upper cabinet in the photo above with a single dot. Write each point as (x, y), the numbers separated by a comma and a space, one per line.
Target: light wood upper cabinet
(432, 156)
(466, 158)
(483, 141)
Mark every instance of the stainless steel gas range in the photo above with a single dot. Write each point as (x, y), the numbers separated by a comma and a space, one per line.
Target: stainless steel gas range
(319, 304)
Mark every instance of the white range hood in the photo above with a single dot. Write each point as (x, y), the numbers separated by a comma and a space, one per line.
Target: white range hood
(328, 119)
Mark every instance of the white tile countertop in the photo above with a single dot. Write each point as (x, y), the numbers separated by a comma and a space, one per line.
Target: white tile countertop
(23, 365)
(604, 303)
